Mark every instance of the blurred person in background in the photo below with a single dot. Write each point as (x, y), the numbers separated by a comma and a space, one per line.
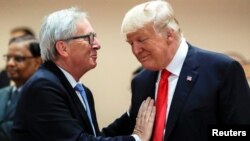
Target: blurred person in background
(22, 60)
(21, 31)
(14, 33)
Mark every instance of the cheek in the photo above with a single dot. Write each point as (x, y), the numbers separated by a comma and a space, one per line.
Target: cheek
(133, 51)
(84, 51)
(28, 68)
(21, 71)
(28, 73)
(82, 57)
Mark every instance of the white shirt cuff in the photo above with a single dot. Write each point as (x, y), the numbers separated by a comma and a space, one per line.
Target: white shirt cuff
(137, 138)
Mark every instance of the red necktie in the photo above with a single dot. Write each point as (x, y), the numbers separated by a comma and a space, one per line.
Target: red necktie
(161, 106)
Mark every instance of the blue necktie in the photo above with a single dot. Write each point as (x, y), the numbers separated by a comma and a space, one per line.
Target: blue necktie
(81, 90)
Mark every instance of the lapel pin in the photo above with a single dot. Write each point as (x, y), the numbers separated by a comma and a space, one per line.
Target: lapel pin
(189, 78)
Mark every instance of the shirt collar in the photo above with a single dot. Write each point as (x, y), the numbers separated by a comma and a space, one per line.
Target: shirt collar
(177, 62)
(69, 77)
(17, 89)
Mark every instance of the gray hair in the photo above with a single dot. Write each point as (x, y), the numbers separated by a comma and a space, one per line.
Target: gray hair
(58, 26)
(158, 12)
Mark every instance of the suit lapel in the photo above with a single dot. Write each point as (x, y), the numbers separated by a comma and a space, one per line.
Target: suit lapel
(143, 86)
(150, 82)
(187, 78)
(72, 94)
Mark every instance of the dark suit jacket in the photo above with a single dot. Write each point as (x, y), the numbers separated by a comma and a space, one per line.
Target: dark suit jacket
(50, 110)
(218, 94)
(7, 112)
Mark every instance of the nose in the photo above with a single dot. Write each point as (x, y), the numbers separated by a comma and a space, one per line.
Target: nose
(10, 62)
(96, 44)
(136, 48)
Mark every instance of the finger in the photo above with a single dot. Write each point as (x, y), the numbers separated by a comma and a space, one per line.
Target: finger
(150, 123)
(152, 115)
(144, 110)
(147, 101)
(149, 109)
(144, 106)
(141, 109)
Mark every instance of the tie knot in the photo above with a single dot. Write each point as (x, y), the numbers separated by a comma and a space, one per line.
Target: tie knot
(165, 74)
(14, 93)
(79, 87)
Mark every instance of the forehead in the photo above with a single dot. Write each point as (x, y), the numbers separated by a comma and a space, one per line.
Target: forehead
(147, 30)
(83, 26)
(19, 48)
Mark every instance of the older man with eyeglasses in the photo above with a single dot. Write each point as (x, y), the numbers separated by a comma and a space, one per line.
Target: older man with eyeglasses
(55, 105)
(22, 60)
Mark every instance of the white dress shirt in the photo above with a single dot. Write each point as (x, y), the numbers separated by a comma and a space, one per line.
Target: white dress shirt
(174, 68)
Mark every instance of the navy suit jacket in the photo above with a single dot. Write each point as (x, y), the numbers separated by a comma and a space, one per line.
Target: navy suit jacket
(7, 110)
(218, 94)
(50, 110)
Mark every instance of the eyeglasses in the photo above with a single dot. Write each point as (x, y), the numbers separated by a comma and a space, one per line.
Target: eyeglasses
(90, 37)
(17, 58)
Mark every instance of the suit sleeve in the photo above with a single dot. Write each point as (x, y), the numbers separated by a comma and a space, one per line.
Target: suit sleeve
(121, 126)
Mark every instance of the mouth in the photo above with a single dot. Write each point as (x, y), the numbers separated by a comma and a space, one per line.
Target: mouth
(11, 72)
(94, 56)
(143, 58)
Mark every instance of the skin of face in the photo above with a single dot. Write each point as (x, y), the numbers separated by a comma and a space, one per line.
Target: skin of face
(153, 50)
(20, 72)
(78, 56)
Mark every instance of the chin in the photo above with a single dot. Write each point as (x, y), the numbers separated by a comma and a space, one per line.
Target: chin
(94, 65)
(151, 67)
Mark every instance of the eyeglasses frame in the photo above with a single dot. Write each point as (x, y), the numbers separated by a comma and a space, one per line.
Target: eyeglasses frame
(17, 58)
(90, 36)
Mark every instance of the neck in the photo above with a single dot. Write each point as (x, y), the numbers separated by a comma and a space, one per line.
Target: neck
(69, 69)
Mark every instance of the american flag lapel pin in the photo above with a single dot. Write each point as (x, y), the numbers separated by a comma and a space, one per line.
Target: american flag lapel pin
(189, 78)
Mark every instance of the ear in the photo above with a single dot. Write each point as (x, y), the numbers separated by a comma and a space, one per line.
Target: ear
(170, 34)
(61, 48)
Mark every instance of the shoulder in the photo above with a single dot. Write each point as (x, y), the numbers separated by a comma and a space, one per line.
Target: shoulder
(42, 80)
(5, 92)
(45, 73)
(206, 57)
(5, 89)
(210, 61)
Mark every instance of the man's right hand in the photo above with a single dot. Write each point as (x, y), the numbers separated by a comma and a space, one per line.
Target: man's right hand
(145, 120)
